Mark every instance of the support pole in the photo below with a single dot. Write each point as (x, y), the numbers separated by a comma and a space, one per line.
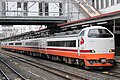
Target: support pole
(114, 25)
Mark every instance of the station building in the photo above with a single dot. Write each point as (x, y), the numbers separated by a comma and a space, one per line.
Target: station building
(109, 17)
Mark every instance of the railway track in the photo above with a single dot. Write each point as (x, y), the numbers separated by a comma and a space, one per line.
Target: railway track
(63, 74)
(112, 73)
(108, 75)
(3, 75)
(10, 73)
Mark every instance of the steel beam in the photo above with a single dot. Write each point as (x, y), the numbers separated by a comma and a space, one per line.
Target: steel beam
(50, 1)
(31, 20)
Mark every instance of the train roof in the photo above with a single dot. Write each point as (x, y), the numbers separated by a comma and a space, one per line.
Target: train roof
(92, 27)
(67, 33)
(73, 33)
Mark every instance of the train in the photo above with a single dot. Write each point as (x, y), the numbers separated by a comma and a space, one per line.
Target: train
(90, 47)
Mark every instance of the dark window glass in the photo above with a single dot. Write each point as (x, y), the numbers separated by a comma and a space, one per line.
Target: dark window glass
(107, 3)
(3, 8)
(62, 43)
(18, 4)
(99, 33)
(18, 43)
(97, 3)
(25, 9)
(112, 2)
(102, 4)
(32, 43)
(82, 33)
(60, 9)
(118, 1)
(10, 43)
(25, 6)
(46, 9)
(40, 9)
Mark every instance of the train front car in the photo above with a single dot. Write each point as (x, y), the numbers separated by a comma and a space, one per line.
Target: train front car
(96, 45)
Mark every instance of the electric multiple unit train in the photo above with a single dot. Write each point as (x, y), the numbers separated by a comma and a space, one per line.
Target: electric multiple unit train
(90, 47)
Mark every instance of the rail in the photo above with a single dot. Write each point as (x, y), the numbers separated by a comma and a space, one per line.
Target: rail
(23, 78)
(6, 77)
(57, 72)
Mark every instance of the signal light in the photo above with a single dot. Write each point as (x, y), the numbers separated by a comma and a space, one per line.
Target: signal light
(111, 50)
(92, 51)
(81, 41)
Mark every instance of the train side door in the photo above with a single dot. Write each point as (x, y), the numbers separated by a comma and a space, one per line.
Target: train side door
(81, 41)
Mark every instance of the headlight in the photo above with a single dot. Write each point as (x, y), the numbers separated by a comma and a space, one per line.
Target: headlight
(103, 60)
(111, 50)
(92, 61)
(93, 51)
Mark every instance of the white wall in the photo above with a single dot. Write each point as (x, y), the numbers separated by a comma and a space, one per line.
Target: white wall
(12, 6)
(75, 13)
(110, 9)
(33, 9)
(54, 9)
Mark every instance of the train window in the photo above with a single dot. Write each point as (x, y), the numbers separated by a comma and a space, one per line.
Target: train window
(82, 33)
(99, 33)
(5, 44)
(32, 43)
(62, 43)
(18, 43)
(10, 43)
(70, 43)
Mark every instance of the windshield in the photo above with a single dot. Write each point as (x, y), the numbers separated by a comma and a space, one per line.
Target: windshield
(99, 33)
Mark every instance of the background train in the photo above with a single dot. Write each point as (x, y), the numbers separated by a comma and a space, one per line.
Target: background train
(91, 47)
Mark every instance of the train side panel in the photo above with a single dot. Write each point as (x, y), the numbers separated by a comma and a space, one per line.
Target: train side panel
(92, 47)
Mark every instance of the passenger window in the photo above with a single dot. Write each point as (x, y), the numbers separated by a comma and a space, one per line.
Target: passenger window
(82, 33)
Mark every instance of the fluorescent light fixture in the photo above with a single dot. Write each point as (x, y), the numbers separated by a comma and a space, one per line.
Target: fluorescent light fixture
(74, 27)
(102, 23)
(85, 25)
(64, 29)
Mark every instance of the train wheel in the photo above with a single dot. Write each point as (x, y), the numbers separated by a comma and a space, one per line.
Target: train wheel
(54, 58)
(49, 57)
(44, 56)
(34, 54)
(60, 58)
(69, 61)
(66, 60)
(82, 64)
